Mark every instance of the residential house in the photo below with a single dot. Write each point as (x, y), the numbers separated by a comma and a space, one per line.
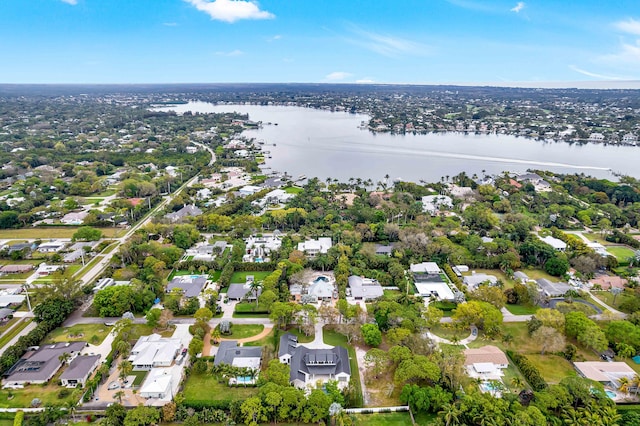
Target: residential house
(521, 277)
(73, 256)
(556, 243)
(476, 279)
(259, 247)
(310, 367)
(607, 373)
(384, 250)
(485, 362)
(185, 212)
(424, 269)
(74, 218)
(323, 288)
(432, 204)
(154, 351)
(245, 191)
(607, 282)
(365, 289)
(245, 357)
(52, 247)
(44, 269)
(79, 371)
(158, 384)
(243, 291)
(16, 269)
(288, 345)
(5, 313)
(312, 248)
(190, 285)
(551, 289)
(40, 365)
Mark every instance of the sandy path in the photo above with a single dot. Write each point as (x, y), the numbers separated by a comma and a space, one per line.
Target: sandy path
(265, 332)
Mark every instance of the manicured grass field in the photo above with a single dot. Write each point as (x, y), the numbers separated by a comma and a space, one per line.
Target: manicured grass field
(552, 367)
(242, 331)
(333, 338)
(383, 419)
(51, 232)
(241, 277)
(140, 376)
(6, 337)
(621, 253)
(92, 333)
(204, 388)
(522, 310)
(292, 190)
(22, 398)
(450, 333)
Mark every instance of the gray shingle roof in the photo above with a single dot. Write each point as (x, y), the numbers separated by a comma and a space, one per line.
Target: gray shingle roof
(190, 286)
(41, 364)
(229, 350)
(80, 367)
(288, 344)
(319, 362)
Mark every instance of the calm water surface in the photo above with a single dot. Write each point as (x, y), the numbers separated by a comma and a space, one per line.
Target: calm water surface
(330, 144)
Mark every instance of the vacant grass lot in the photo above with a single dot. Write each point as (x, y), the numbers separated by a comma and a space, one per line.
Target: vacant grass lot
(522, 309)
(204, 388)
(241, 277)
(242, 331)
(622, 253)
(607, 298)
(552, 367)
(383, 419)
(51, 232)
(48, 394)
(92, 333)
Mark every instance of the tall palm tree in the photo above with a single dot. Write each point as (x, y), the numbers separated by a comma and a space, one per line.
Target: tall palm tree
(255, 287)
(451, 415)
(119, 395)
(635, 383)
(516, 382)
(625, 384)
(125, 368)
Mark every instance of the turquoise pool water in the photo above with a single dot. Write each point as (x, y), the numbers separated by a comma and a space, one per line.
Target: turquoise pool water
(321, 278)
(488, 386)
(243, 380)
(610, 394)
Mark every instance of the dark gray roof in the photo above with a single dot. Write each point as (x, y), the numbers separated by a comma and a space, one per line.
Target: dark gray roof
(188, 210)
(520, 275)
(319, 361)
(288, 344)
(382, 249)
(239, 291)
(41, 364)
(191, 287)
(5, 312)
(553, 289)
(80, 367)
(229, 350)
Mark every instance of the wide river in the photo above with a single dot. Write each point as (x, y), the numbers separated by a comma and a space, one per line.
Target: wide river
(326, 144)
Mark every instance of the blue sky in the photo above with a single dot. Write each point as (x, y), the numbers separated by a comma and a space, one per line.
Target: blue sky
(382, 41)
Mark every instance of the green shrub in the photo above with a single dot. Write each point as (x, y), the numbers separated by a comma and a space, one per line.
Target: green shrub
(19, 418)
(528, 370)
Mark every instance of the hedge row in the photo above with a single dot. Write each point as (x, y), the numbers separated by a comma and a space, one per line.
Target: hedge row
(19, 418)
(452, 275)
(528, 370)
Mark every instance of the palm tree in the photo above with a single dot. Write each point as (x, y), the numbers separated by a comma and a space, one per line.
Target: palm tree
(625, 384)
(255, 287)
(64, 357)
(215, 335)
(125, 368)
(119, 395)
(635, 383)
(451, 415)
(516, 382)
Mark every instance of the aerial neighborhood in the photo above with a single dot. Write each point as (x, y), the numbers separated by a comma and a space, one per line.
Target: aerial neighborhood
(157, 271)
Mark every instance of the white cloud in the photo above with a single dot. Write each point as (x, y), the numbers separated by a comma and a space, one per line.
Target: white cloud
(518, 7)
(170, 24)
(337, 76)
(231, 53)
(592, 74)
(365, 81)
(274, 38)
(628, 54)
(385, 44)
(230, 10)
(71, 2)
(630, 26)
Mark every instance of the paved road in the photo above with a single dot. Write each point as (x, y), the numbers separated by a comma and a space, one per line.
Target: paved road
(23, 332)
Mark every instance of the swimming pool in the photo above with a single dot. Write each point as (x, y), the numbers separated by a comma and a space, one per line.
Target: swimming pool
(244, 380)
(610, 394)
(488, 387)
(258, 260)
(321, 278)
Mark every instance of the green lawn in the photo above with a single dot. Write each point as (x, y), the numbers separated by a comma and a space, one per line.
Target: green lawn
(447, 332)
(536, 274)
(43, 232)
(140, 376)
(334, 338)
(241, 276)
(622, 253)
(292, 190)
(522, 309)
(6, 337)
(607, 298)
(204, 388)
(242, 331)
(383, 419)
(92, 333)
(144, 330)
(552, 367)
(48, 394)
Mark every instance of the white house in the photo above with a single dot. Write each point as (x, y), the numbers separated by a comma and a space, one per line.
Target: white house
(74, 218)
(51, 247)
(312, 248)
(157, 384)
(433, 203)
(557, 244)
(475, 279)
(249, 190)
(154, 351)
(425, 268)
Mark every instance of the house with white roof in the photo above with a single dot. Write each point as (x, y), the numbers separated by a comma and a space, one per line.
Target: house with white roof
(51, 246)
(248, 190)
(557, 244)
(157, 384)
(312, 248)
(74, 218)
(476, 279)
(361, 288)
(432, 204)
(154, 351)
